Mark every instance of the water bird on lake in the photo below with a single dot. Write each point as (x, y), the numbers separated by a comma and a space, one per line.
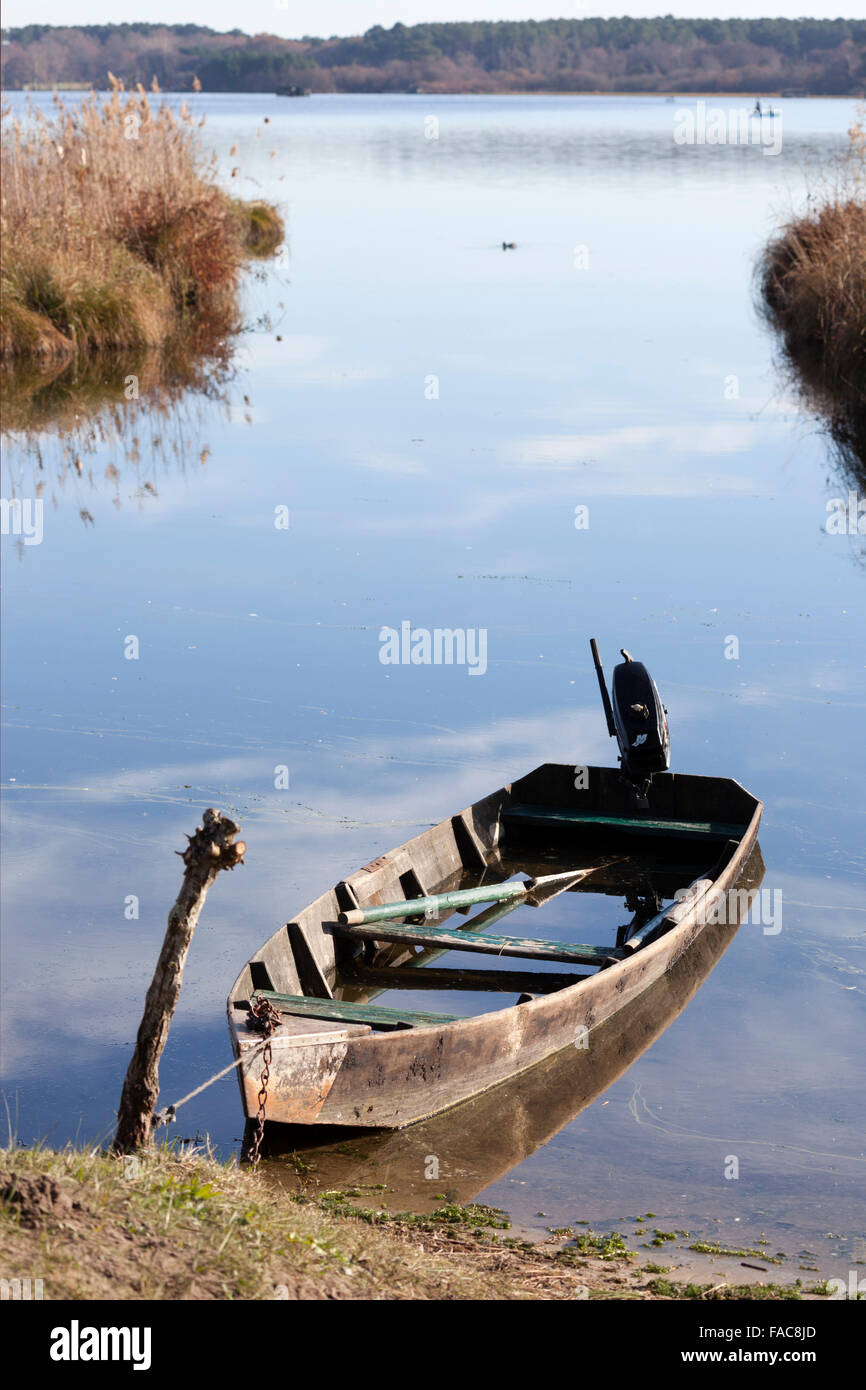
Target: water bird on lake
(509, 245)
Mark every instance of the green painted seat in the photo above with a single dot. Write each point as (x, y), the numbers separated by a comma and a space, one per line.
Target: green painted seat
(524, 947)
(563, 817)
(342, 1011)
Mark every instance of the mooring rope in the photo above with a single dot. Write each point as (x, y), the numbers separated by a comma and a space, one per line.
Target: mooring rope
(165, 1117)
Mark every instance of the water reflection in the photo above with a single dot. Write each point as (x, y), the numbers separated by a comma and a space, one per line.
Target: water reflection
(843, 421)
(480, 1141)
(260, 647)
(72, 430)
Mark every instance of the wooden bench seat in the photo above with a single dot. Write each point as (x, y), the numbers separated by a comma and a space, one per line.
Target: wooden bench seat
(563, 817)
(341, 1011)
(475, 981)
(523, 947)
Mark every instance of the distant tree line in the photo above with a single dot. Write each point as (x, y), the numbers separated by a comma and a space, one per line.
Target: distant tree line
(572, 55)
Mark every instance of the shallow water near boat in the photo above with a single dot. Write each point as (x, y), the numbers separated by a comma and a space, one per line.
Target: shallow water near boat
(431, 411)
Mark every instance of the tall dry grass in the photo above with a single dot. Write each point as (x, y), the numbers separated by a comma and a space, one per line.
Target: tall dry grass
(116, 234)
(812, 280)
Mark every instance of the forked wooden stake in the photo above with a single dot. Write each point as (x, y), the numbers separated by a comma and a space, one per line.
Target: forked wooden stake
(210, 849)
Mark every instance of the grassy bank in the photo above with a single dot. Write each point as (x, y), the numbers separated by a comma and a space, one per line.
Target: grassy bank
(116, 236)
(813, 292)
(169, 1226)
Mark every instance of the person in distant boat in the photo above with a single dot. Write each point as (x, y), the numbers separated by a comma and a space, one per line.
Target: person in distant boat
(509, 246)
(758, 111)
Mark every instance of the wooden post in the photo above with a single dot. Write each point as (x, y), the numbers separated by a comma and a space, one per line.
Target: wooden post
(210, 849)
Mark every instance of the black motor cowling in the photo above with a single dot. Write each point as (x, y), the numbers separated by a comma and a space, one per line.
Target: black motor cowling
(641, 722)
(636, 718)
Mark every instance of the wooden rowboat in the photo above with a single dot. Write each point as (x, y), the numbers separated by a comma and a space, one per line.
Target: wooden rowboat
(674, 853)
(479, 1142)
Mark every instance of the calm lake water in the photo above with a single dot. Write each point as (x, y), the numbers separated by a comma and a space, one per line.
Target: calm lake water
(432, 411)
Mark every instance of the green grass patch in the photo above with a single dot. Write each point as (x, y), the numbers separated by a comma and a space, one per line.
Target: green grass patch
(704, 1247)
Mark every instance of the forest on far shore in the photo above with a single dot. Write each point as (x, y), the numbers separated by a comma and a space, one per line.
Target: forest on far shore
(795, 57)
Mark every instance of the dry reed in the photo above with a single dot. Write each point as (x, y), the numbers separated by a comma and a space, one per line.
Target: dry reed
(812, 280)
(116, 233)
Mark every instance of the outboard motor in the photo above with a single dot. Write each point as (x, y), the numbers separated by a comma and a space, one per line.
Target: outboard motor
(637, 719)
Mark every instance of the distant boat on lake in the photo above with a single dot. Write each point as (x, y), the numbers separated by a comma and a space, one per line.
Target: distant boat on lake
(293, 92)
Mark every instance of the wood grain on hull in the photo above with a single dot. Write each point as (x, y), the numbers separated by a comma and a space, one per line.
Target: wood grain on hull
(395, 1079)
(487, 1136)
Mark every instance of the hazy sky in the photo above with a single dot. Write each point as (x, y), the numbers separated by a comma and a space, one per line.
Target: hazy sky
(292, 18)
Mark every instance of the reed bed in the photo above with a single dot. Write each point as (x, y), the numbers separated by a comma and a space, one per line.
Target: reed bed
(116, 234)
(812, 281)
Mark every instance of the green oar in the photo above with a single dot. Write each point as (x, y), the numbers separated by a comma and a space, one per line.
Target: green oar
(460, 897)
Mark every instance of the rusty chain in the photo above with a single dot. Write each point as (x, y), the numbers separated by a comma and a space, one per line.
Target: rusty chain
(263, 1018)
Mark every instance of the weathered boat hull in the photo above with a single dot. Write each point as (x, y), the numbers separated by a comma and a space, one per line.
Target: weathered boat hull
(347, 1074)
(480, 1141)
